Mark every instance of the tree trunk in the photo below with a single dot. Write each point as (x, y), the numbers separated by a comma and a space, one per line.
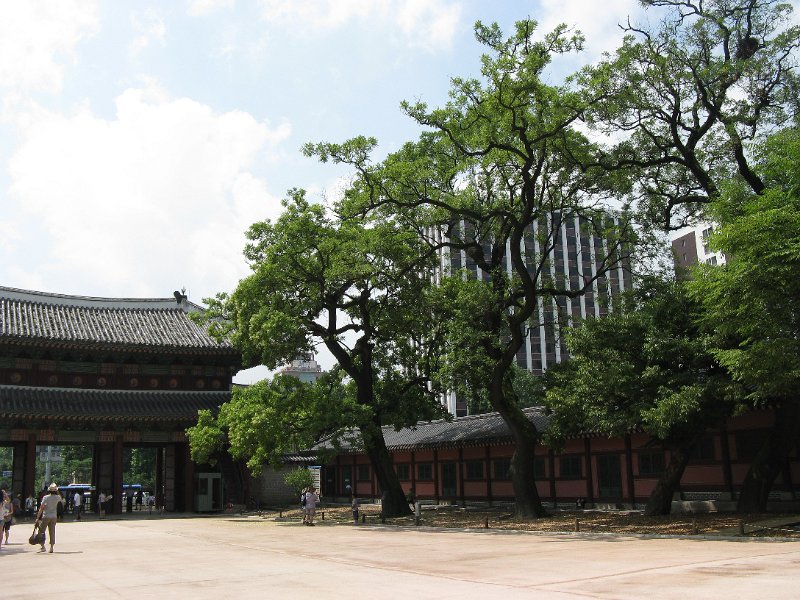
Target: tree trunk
(393, 499)
(771, 459)
(527, 504)
(660, 500)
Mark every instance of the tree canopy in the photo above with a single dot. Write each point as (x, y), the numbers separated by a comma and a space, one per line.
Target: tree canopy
(687, 97)
(354, 285)
(646, 367)
(500, 167)
(751, 304)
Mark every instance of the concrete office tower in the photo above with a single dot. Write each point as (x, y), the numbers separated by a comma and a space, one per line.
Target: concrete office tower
(575, 256)
(304, 367)
(692, 248)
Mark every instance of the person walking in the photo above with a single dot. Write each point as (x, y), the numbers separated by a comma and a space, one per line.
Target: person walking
(30, 505)
(7, 512)
(354, 508)
(17, 501)
(77, 505)
(47, 516)
(101, 504)
(310, 509)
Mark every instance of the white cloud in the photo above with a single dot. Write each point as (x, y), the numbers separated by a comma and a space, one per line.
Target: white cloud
(153, 200)
(36, 36)
(199, 8)
(428, 24)
(150, 27)
(598, 21)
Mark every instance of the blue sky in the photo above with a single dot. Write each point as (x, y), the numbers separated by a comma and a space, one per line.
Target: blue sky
(139, 140)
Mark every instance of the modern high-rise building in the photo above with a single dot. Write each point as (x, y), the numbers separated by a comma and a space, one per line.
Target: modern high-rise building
(304, 368)
(575, 254)
(692, 248)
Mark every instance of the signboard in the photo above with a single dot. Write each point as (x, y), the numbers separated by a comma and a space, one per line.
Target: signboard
(315, 476)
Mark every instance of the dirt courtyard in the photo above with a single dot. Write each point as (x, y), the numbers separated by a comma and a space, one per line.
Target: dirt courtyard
(250, 556)
(588, 521)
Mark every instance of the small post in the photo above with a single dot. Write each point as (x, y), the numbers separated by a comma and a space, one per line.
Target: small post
(694, 526)
(486, 523)
(363, 518)
(741, 527)
(280, 514)
(323, 515)
(577, 525)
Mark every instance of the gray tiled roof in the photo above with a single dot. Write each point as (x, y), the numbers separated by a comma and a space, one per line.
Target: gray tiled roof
(463, 431)
(23, 402)
(54, 319)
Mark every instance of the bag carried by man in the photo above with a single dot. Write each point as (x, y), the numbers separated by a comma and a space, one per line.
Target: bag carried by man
(37, 539)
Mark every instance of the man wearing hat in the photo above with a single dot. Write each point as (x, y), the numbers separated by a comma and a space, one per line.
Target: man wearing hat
(48, 514)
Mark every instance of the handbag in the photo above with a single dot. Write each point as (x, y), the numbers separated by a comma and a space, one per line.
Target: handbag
(37, 537)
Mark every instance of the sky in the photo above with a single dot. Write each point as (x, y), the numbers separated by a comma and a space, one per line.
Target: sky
(139, 140)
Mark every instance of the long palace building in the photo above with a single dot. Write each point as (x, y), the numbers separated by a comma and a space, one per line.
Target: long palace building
(110, 373)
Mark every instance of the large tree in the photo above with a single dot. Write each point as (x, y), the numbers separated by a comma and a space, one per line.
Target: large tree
(648, 368)
(685, 98)
(496, 176)
(354, 286)
(752, 303)
(271, 418)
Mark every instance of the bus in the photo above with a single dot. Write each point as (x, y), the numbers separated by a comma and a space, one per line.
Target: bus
(87, 490)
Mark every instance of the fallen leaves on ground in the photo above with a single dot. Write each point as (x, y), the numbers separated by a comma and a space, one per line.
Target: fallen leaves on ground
(587, 521)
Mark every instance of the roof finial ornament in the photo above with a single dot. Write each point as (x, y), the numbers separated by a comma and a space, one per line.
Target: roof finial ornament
(181, 297)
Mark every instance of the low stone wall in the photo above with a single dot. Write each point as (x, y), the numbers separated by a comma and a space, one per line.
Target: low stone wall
(272, 491)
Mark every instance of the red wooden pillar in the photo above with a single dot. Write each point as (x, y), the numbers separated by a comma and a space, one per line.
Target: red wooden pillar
(29, 478)
(629, 471)
(159, 491)
(551, 457)
(436, 494)
(727, 472)
(461, 476)
(338, 488)
(354, 474)
(188, 480)
(587, 448)
(414, 472)
(489, 474)
(117, 473)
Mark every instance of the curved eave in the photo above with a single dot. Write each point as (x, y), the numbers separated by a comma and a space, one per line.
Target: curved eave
(66, 404)
(29, 342)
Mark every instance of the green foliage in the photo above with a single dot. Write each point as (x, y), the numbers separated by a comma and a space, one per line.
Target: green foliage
(271, 418)
(647, 367)
(354, 285)
(6, 464)
(139, 466)
(298, 479)
(73, 463)
(687, 97)
(206, 437)
(752, 303)
(495, 172)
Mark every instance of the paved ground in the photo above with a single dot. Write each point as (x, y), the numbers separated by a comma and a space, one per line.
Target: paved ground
(246, 557)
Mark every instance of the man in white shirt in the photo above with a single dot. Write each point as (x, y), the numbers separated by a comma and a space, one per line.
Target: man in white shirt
(77, 505)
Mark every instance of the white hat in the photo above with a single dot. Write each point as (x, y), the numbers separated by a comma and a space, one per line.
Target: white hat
(53, 487)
